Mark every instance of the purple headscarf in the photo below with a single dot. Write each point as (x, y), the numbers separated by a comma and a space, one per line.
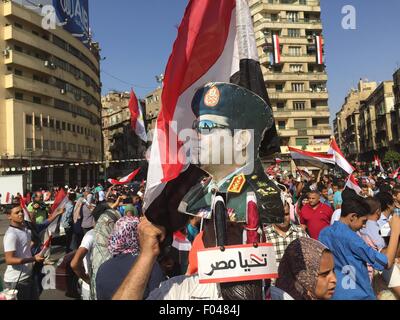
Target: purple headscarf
(124, 239)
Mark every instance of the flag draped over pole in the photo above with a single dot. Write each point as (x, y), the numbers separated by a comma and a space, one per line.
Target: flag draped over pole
(340, 160)
(125, 179)
(137, 118)
(215, 43)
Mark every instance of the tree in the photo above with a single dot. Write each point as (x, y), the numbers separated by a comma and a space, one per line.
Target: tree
(392, 157)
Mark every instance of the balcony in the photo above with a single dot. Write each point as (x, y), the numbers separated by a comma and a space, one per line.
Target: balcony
(295, 76)
(285, 23)
(291, 95)
(311, 6)
(308, 113)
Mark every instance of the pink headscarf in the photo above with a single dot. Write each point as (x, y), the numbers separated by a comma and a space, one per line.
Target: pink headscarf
(124, 239)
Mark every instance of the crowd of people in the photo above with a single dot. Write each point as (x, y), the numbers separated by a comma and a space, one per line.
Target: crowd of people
(333, 244)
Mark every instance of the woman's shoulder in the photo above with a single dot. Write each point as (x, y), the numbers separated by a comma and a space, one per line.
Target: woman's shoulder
(279, 294)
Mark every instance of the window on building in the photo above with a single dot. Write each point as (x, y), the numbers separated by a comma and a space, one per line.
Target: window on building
(37, 100)
(279, 87)
(282, 125)
(300, 124)
(64, 126)
(299, 105)
(18, 48)
(73, 128)
(19, 96)
(18, 25)
(35, 33)
(46, 145)
(298, 87)
(292, 16)
(296, 68)
(294, 33)
(280, 105)
(69, 127)
(58, 125)
(38, 122)
(38, 144)
(45, 122)
(52, 123)
(29, 144)
(28, 120)
(294, 51)
(52, 145)
(302, 142)
(313, 104)
(315, 122)
(58, 146)
(18, 72)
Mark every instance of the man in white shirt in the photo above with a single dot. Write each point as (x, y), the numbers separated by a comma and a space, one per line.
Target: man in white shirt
(18, 256)
(82, 264)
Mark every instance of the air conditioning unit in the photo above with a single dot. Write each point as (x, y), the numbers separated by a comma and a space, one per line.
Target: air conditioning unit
(62, 91)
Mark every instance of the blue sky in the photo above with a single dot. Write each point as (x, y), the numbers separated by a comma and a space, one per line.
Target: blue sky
(137, 36)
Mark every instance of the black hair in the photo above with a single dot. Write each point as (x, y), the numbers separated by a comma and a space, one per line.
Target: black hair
(386, 200)
(385, 188)
(373, 203)
(355, 205)
(340, 184)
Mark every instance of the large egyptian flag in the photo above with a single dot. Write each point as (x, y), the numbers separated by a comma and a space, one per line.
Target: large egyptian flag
(313, 159)
(215, 43)
(340, 160)
(137, 118)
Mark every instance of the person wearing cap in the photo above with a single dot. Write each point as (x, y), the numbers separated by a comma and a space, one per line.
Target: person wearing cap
(241, 118)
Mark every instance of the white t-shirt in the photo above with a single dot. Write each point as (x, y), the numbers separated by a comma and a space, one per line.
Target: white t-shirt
(101, 196)
(336, 216)
(18, 241)
(87, 243)
(189, 288)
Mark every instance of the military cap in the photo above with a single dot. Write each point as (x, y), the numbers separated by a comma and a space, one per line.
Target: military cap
(234, 107)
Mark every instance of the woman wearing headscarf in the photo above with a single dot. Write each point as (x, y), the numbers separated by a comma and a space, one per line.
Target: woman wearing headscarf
(306, 271)
(123, 245)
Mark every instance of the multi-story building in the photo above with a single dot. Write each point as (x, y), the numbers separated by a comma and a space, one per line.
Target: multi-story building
(120, 141)
(153, 107)
(395, 115)
(347, 124)
(290, 44)
(376, 122)
(50, 101)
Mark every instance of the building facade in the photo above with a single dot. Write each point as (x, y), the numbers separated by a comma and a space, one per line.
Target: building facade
(347, 122)
(50, 101)
(376, 122)
(290, 44)
(120, 141)
(153, 107)
(395, 115)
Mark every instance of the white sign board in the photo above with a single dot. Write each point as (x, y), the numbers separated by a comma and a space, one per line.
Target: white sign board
(11, 185)
(237, 263)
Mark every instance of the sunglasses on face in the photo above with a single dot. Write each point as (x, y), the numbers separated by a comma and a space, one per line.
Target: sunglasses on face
(206, 126)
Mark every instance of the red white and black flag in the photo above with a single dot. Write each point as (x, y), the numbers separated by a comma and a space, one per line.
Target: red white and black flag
(137, 118)
(277, 49)
(320, 50)
(314, 159)
(215, 43)
(124, 180)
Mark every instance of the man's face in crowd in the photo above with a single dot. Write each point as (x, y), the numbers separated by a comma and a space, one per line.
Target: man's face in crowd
(326, 283)
(324, 193)
(286, 222)
(16, 215)
(335, 188)
(313, 199)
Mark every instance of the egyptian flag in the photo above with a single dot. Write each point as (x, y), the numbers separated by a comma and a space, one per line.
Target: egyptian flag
(339, 158)
(320, 52)
(8, 198)
(277, 49)
(180, 242)
(314, 159)
(137, 119)
(352, 183)
(215, 43)
(59, 202)
(124, 180)
(378, 164)
(396, 174)
(27, 216)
